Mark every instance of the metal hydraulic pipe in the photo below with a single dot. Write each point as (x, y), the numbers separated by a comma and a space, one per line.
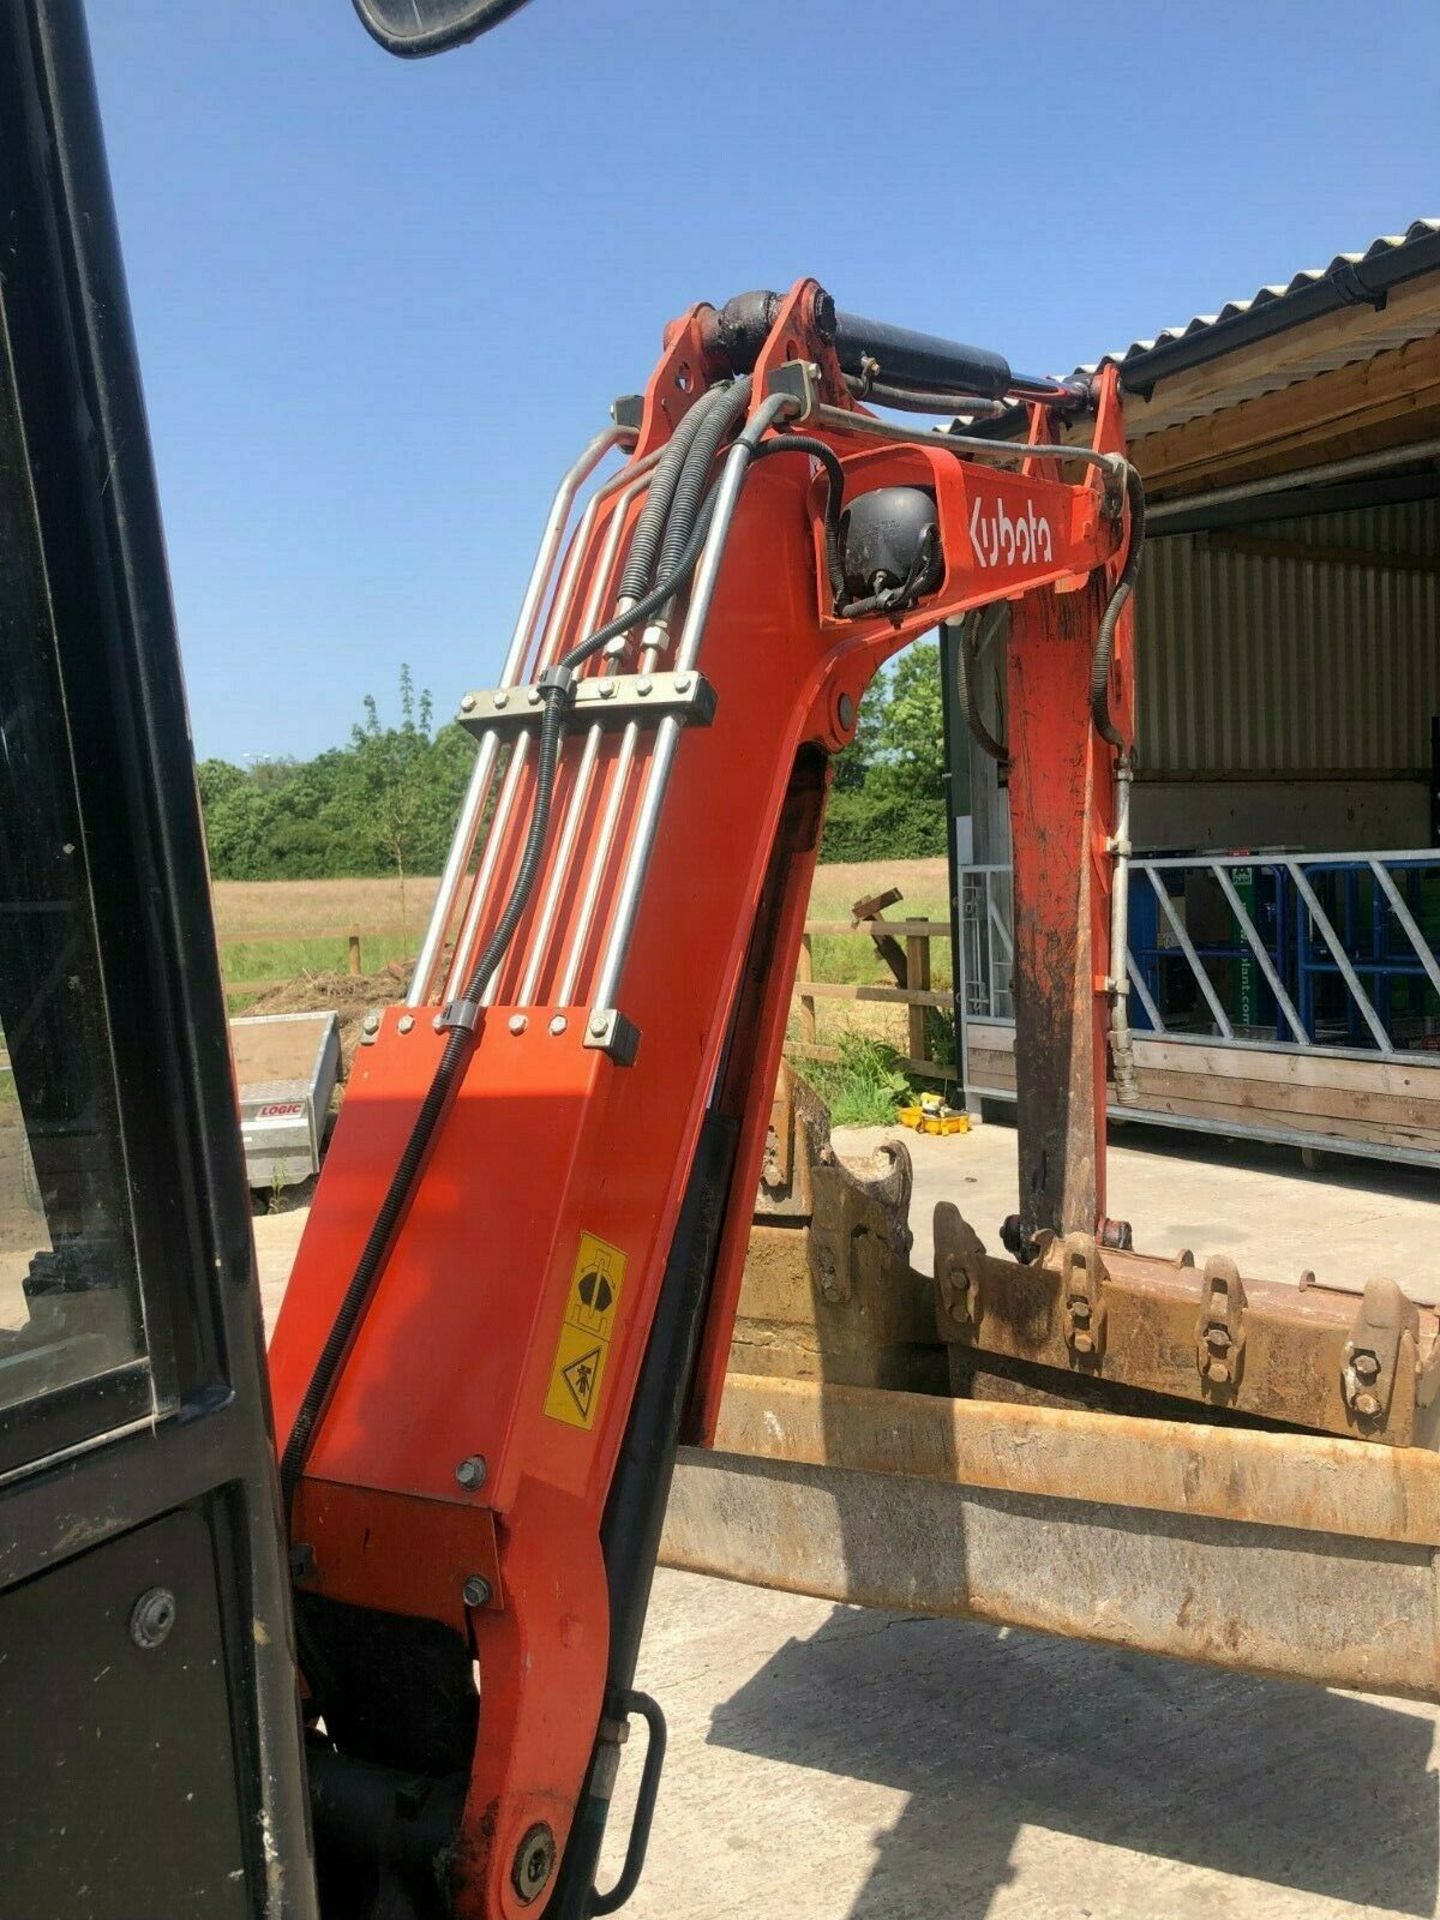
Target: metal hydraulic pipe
(552, 632)
(568, 984)
(844, 420)
(1122, 1046)
(599, 859)
(667, 737)
(917, 400)
(633, 479)
(589, 754)
(564, 850)
(552, 645)
(479, 893)
(477, 792)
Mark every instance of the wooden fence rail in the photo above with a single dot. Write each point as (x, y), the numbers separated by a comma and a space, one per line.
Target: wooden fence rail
(298, 936)
(910, 967)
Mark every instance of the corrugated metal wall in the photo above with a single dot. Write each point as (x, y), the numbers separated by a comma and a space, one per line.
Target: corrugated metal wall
(1251, 665)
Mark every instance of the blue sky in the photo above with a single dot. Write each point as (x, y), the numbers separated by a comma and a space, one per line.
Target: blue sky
(380, 305)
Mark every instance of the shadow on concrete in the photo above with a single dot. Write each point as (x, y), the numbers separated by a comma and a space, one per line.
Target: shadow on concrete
(989, 1731)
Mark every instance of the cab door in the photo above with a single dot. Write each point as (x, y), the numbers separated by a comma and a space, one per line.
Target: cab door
(151, 1759)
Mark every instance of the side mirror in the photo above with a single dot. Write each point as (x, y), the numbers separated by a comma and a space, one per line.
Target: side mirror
(413, 27)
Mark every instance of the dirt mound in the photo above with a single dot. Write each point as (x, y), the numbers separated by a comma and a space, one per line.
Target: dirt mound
(348, 995)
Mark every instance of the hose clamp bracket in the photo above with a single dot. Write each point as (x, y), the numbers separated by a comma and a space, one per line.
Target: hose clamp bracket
(461, 1016)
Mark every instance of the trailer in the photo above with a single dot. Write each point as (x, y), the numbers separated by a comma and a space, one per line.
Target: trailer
(286, 1069)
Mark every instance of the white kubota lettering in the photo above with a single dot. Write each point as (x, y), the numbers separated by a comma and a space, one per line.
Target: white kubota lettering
(999, 540)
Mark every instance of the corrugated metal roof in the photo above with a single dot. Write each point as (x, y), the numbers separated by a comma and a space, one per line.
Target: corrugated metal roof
(1339, 271)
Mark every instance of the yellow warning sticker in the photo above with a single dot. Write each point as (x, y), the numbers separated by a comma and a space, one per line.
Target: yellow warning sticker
(584, 1344)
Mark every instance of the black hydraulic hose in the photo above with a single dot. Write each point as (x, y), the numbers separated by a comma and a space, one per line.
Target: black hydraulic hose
(1110, 619)
(834, 498)
(463, 1036)
(651, 602)
(694, 479)
(650, 528)
(967, 654)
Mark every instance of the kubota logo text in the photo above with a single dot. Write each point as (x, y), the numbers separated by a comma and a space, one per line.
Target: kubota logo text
(1002, 541)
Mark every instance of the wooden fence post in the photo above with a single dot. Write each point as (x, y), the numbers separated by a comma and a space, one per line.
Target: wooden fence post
(917, 974)
(353, 941)
(806, 972)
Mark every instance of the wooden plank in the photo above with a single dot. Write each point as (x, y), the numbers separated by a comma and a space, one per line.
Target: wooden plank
(1389, 1103)
(807, 1001)
(917, 980)
(996, 1073)
(1400, 1078)
(867, 929)
(1308, 1482)
(1284, 1116)
(1403, 380)
(1264, 1096)
(928, 1069)
(1409, 416)
(894, 996)
(1284, 358)
(1326, 444)
(395, 931)
(1219, 1591)
(1291, 1069)
(1002, 1062)
(994, 1038)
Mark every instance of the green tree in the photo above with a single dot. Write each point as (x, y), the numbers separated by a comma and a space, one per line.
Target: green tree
(888, 800)
(910, 728)
(390, 776)
(385, 802)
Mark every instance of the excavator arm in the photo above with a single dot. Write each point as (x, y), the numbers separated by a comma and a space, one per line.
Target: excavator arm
(516, 1289)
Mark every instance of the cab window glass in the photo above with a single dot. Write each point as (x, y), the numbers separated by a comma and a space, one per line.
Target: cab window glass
(69, 1293)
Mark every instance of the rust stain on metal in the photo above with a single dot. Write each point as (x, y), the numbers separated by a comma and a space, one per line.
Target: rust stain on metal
(1312, 1483)
(1250, 1347)
(1062, 802)
(1259, 1597)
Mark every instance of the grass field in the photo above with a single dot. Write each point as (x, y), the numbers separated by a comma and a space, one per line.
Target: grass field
(299, 927)
(285, 916)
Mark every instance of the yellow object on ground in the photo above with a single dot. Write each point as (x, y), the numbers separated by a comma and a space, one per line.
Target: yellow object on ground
(933, 1116)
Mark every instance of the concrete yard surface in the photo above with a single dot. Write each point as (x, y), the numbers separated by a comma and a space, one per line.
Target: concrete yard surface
(831, 1764)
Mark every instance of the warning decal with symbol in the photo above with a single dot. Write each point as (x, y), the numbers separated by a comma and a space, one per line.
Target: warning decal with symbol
(578, 1373)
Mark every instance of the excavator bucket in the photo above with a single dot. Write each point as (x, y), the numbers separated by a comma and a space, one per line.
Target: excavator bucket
(1090, 1442)
(829, 1292)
